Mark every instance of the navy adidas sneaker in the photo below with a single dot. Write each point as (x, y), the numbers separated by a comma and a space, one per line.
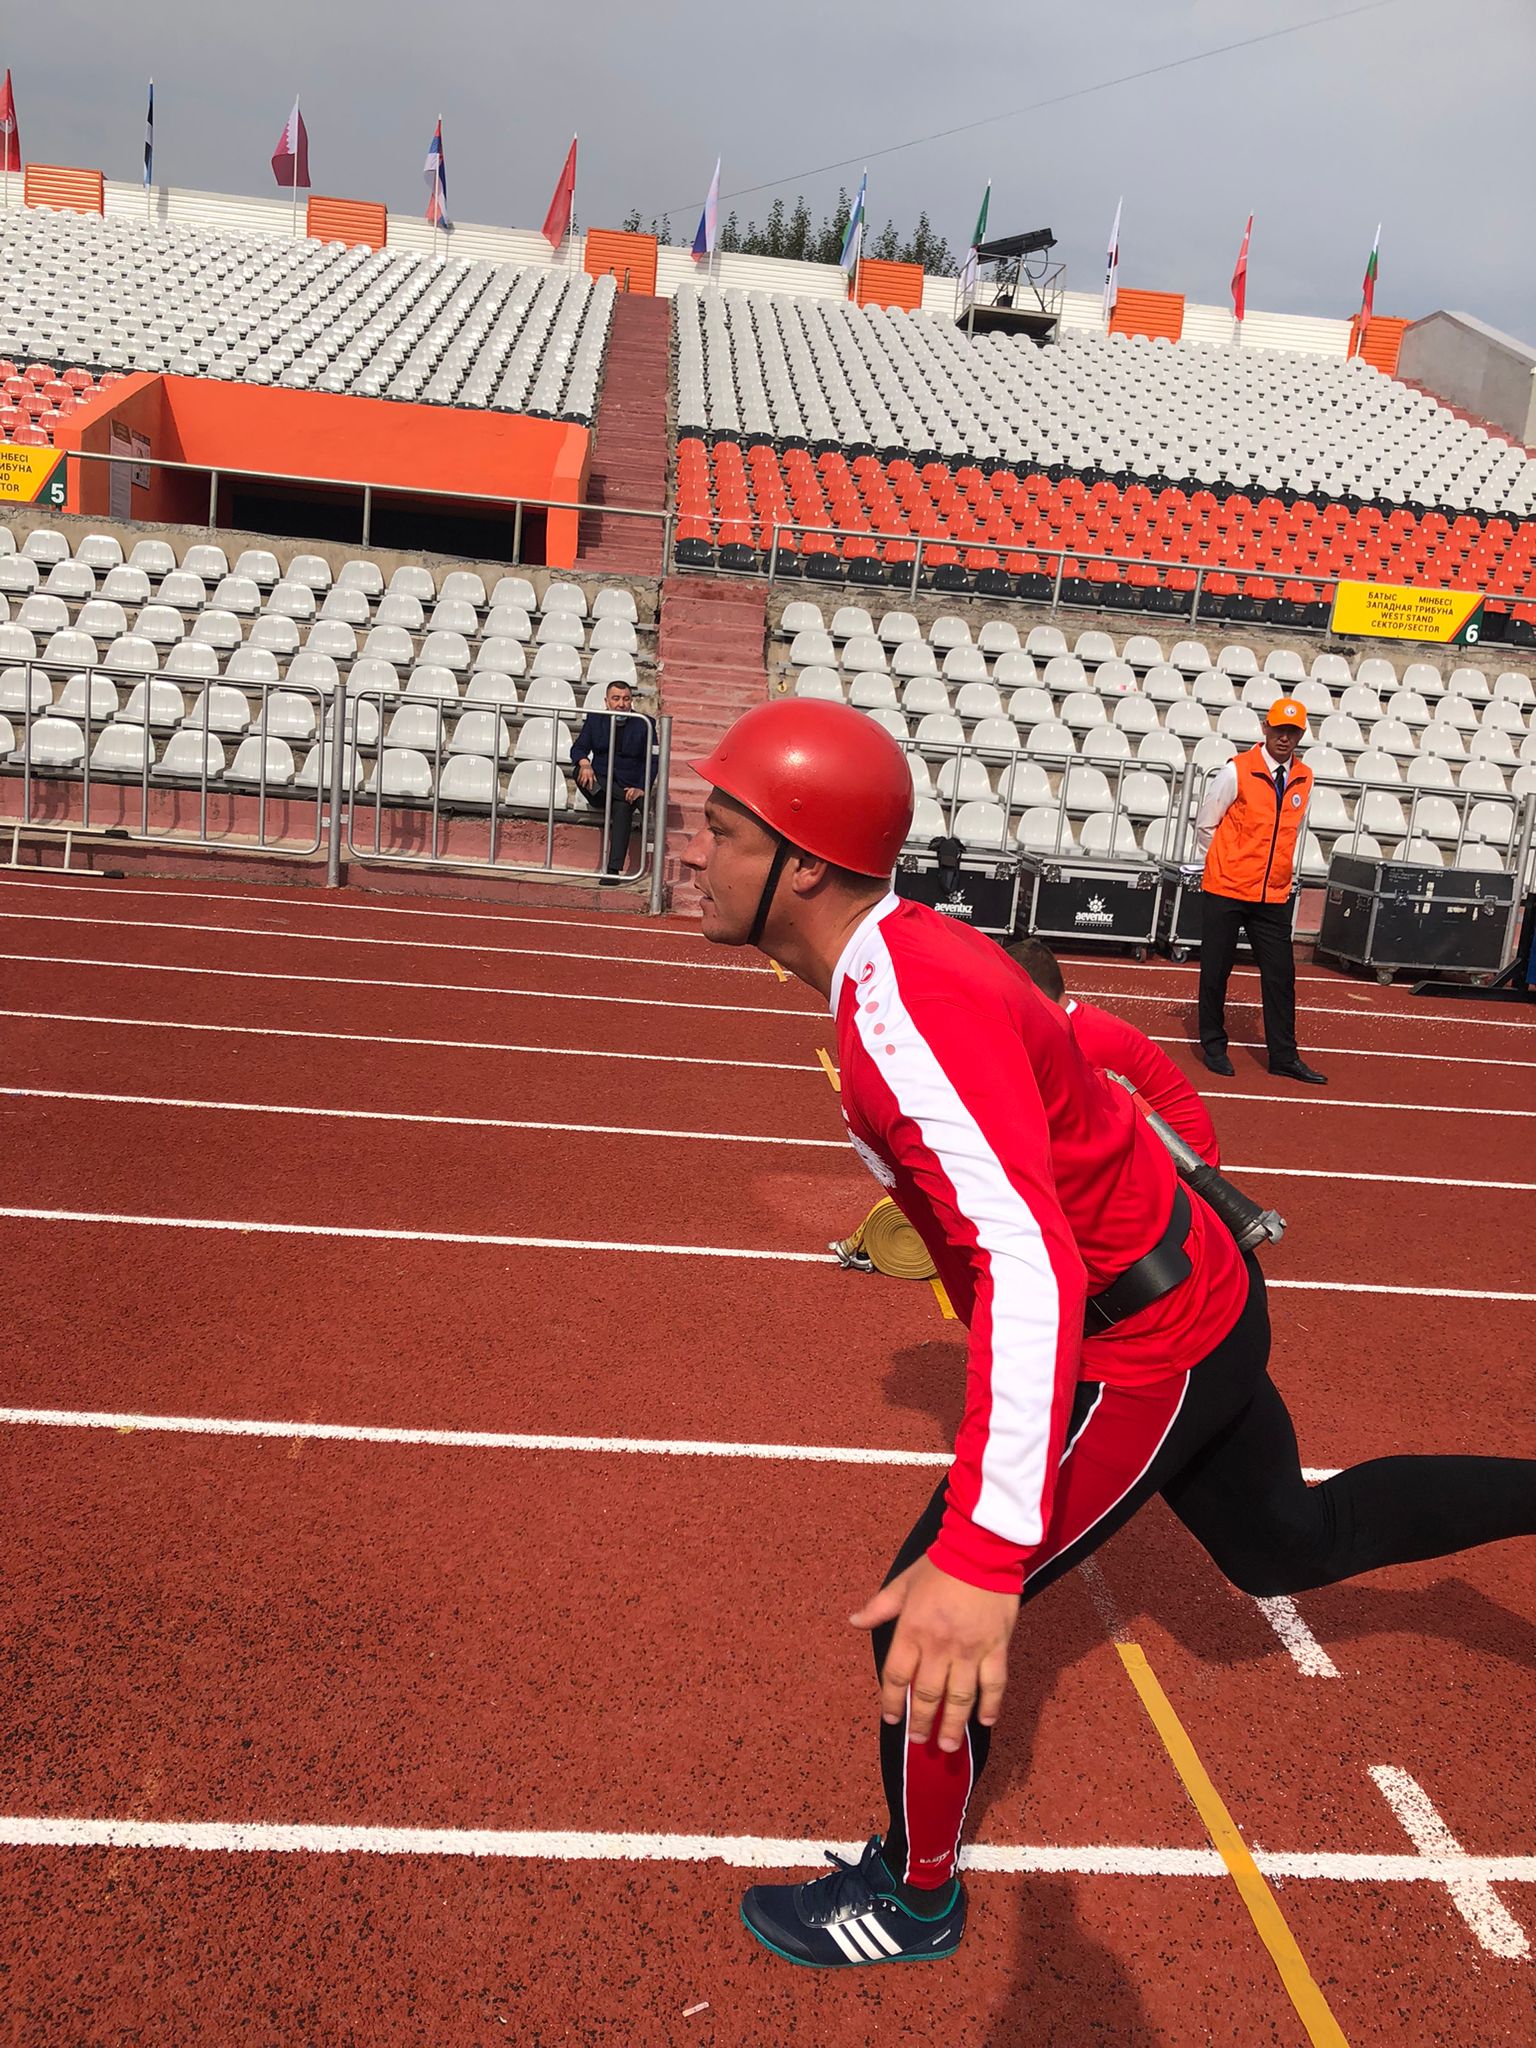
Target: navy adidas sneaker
(852, 1915)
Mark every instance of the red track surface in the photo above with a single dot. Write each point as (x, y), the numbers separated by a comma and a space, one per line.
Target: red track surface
(204, 1628)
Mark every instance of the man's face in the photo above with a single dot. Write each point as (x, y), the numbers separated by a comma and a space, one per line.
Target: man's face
(619, 697)
(729, 857)
(1282, 741)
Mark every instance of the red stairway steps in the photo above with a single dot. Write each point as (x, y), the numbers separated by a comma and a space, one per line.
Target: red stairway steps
(629, 449)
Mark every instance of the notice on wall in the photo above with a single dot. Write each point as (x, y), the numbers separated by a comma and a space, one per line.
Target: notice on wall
(141, 467)
(1388, 611)
(120, 486)
(31, 476)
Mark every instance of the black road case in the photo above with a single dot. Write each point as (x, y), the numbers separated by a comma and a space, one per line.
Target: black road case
(980, 889)
(1178, 911)
(1386, 914)
(1112, 901)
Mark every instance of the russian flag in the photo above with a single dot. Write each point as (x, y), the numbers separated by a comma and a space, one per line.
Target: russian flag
(435, 172)
(704, 237)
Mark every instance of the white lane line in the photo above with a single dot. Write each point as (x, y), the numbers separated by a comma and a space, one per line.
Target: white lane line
(490, 1440)
(391, 1038)
(241, 931)
(1306, 1652)
(452, 988)
(550, 1244)
(1169, 998)
(744, 1852)
(1313, 1099)
(1472, 1895)
(1358, 1052)
(400, 1116)
(316, 899)
(759, 1254)
(1395, 1180)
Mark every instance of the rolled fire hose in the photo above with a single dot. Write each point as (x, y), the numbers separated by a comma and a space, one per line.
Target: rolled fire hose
(889, 1242)
(1250, 1225)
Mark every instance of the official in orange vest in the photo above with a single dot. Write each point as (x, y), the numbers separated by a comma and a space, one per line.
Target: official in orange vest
(1248, 834)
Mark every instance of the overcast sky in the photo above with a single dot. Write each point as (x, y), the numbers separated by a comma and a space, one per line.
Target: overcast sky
(1415, 112)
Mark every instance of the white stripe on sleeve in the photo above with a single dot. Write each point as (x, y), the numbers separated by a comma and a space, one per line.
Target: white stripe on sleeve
(1025, 1301)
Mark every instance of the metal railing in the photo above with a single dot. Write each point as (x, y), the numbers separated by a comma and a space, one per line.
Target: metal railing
(1187, 607)
(274, 812)
(77, 782)
(508, 824)
(367, 493)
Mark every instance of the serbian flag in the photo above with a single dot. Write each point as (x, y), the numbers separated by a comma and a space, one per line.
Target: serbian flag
(435, 172)
(1367, 287)
(557, 222)
(704, 234)
(290, 159)
(10, 134)
(1240, 275)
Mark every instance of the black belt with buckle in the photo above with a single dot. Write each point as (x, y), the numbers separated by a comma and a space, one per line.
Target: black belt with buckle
(1154, 1274)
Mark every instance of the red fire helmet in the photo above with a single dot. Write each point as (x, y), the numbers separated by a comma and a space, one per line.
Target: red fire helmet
(828, 779)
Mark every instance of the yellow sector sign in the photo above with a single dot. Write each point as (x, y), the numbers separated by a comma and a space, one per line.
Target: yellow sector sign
(1386, 611)
(25, 473)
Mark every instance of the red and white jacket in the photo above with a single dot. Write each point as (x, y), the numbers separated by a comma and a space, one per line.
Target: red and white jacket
(1034, 1183)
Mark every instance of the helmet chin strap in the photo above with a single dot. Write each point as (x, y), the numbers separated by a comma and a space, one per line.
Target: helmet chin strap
(781, 854)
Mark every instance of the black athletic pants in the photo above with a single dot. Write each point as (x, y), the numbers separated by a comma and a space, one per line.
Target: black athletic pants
(1268, 926)
(1218, 1445)
(621, 819)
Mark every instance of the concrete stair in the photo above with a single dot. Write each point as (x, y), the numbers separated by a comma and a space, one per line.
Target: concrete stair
(629, 449)
(710, 650)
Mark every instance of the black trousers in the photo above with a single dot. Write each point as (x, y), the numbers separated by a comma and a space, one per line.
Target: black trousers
(1229, 1467)
(621, 819)
(1268, 926)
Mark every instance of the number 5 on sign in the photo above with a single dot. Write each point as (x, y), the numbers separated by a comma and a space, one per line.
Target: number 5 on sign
(31, 476)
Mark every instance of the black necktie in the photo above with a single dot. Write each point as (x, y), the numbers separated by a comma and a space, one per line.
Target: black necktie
(1279, 780)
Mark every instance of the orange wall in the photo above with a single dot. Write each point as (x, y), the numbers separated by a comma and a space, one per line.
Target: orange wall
(1155, 314)
(329, 436)
(888, 284)
(631, 259)
(137, 402)
(70, 190)
(1383, 339)
(362, 222)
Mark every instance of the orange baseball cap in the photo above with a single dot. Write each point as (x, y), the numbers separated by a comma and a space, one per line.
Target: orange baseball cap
(1286, 711)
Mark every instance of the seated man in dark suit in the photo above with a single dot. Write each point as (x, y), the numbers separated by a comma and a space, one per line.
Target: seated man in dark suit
(614, 756)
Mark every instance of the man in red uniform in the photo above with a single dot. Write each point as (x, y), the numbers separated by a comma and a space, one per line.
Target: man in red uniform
(1116, 1047)
(1118, 1343)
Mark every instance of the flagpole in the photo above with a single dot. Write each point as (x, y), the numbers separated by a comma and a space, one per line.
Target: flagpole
(436, 206)
(299, 113)
(570, 226)
(149, 212)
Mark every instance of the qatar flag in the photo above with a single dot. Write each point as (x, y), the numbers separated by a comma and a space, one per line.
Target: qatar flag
(290, 159)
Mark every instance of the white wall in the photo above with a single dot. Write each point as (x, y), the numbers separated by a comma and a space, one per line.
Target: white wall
(1082, 312)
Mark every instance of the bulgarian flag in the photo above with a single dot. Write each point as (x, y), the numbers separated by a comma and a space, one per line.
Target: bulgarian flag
(1368, 286)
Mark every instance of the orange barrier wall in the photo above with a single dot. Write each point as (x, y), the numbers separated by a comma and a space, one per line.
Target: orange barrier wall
(69, 190)
(1158, 315)
(888, 284)
(631, 259)
(361, 222)
(1383, 339)
(322, 434)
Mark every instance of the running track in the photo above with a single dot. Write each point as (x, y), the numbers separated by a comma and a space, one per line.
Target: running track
(438, 1675)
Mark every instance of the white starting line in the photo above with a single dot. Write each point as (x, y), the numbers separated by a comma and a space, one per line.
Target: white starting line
(742, 1852)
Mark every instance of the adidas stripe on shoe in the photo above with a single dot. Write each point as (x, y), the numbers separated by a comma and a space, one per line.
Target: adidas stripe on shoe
(852, 1916)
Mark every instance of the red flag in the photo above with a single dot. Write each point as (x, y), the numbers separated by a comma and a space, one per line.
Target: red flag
(10, 134)
(290, 160)
(557, 222)
(1240, 275)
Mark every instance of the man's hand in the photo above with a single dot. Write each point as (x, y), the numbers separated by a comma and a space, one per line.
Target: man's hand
(950, 1648)
(633, 796)
(586, 775)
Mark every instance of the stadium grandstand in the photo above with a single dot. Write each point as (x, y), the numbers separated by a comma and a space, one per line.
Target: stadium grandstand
(651, 452)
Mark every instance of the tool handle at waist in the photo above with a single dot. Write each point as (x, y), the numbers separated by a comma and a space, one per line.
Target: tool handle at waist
(1249, 1224)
